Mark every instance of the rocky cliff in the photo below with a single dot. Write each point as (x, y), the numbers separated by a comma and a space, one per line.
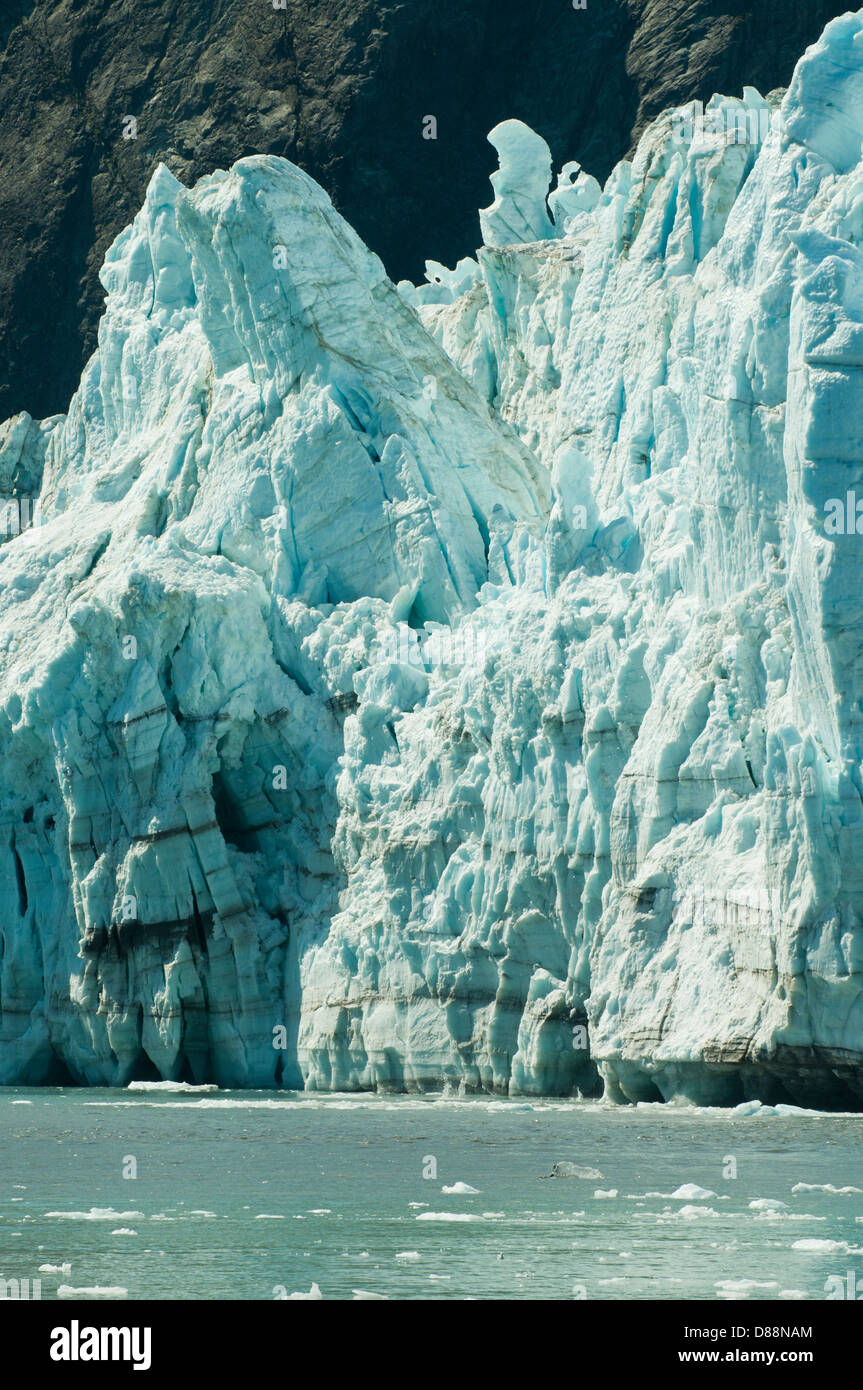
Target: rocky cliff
(340, 90)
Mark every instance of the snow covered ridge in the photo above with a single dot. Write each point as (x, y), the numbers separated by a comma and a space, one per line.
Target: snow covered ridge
(406, 689)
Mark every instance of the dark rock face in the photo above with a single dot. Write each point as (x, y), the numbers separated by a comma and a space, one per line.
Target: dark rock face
(341, 89)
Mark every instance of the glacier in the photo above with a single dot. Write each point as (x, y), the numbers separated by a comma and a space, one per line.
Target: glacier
(455, 686)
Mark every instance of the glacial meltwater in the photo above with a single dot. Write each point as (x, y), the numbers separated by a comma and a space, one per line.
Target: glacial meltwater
(256, 1195)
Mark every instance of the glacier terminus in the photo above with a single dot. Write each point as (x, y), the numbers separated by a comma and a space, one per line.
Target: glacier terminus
(457, 686)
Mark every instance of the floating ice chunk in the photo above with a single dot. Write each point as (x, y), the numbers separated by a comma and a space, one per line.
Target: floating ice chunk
(99, 1214)
(691, 1192)
(792, 1111)
(768, 1204)
(124, 1231)
(461, 1189)
(168, 1086)
(446, 1216)
(314, 1294)
(408, 1255)
(573, 1170)
(742, 1288)
(816, 1246)
(56, 1269)
(92, 1291)
(366, 1294)
(600, 1193)
(827, 1187)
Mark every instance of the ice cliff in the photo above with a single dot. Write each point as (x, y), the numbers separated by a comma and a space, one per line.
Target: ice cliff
(456, 685)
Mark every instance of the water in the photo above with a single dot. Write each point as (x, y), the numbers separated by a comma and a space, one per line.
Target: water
(344, 1176)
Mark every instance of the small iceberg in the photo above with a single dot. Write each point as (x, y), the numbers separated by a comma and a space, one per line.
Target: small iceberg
(691, 1192)
(574, 1170)
(92, 1291)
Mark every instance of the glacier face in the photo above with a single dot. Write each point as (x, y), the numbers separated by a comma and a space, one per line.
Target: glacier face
(456, 685)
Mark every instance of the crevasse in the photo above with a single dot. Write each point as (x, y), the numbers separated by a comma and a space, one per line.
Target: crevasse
(455, 686)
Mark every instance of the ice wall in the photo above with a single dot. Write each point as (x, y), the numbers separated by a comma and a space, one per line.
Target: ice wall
(460, 686)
